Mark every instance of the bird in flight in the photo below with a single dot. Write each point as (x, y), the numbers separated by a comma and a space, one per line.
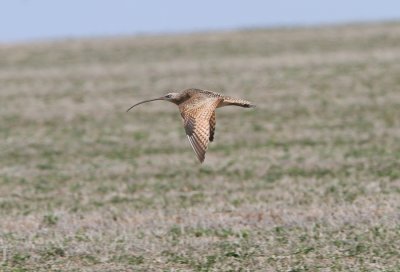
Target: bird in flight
(197, 109)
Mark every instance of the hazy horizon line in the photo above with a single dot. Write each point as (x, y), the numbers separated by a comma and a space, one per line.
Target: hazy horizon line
(161, 33)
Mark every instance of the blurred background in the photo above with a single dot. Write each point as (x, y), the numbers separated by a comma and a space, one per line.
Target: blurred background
(307, 181)
(45, 19)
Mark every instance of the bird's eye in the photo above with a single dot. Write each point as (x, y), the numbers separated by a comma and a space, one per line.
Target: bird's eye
(168, 96)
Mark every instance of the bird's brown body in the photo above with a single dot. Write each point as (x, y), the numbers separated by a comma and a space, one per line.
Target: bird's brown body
(197, 109)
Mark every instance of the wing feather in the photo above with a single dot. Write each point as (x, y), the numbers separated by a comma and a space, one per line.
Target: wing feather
(198, 124)
(212, 126)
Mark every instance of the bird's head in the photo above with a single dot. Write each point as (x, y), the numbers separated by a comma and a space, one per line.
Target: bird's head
(171, 97)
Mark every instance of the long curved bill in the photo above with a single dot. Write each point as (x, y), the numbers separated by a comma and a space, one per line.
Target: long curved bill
(145, 101)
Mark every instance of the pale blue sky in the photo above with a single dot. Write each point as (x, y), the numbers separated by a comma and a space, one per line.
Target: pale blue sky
(51, 19)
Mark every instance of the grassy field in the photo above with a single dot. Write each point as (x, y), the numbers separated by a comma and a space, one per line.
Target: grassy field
(307, 181)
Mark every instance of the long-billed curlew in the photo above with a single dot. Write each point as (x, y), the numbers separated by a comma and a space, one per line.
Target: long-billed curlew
(197, 109)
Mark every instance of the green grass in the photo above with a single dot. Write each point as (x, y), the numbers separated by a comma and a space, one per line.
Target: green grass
(307, 181)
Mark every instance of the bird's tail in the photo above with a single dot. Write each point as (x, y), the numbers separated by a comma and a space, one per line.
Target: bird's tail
(231, 101)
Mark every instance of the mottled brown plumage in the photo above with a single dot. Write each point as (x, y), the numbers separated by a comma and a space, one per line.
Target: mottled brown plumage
(197, 109)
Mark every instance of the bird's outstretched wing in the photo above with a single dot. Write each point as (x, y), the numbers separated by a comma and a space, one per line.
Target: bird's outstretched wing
(197, 118)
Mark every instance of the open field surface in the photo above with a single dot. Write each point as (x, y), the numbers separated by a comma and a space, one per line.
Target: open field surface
(307, 181)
